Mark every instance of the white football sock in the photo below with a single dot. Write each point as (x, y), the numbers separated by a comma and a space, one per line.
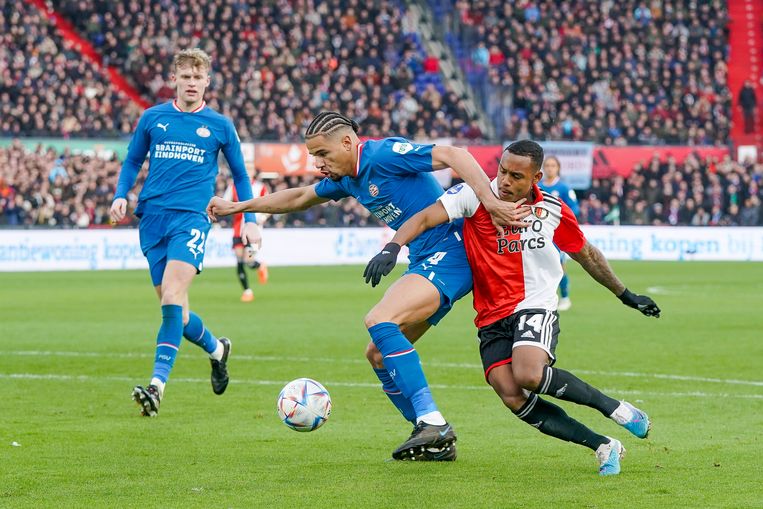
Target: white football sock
(435, 418)
(622, 414)
(218, 353)
(159, 385)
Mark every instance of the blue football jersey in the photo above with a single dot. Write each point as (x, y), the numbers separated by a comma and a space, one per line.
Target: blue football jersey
(182, 148)
(393, 181)
(563, 192)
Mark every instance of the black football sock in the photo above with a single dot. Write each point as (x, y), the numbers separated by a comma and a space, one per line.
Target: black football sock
(553, 421)
(566, 386)
(242, 277)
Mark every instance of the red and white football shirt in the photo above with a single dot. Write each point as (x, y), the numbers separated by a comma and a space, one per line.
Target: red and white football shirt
(258, 189)
(520, 269)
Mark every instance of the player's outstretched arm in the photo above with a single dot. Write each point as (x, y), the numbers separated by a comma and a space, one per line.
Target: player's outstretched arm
(594, 262)
(287, 200)
(503, 213)
(383, 263)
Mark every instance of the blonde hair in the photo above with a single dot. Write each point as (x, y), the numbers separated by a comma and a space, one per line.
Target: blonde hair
(192, 57)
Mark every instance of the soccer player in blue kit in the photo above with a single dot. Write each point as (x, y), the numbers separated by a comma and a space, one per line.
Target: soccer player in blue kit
(392, 179)
(182, 139)
(552, 184)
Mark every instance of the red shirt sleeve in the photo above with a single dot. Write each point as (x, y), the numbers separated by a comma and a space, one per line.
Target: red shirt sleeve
(568, 236)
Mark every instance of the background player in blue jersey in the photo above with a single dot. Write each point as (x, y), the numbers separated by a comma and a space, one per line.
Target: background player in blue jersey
(552, 184)
(182, 140)
(392, 179)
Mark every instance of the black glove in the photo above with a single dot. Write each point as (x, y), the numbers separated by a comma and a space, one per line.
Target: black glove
(641, 302)
(382, 264)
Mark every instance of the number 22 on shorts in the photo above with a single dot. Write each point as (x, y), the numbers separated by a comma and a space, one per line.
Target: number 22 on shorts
(196, 244)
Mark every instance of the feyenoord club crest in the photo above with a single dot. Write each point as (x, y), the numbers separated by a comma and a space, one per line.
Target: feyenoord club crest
(373, 190)
(540, 213)
(203, 132)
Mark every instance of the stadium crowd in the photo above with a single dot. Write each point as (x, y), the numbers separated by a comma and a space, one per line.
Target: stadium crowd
(275, 64)
(616, 73)
(46, 88)
(695, 193)
(628, 72)
(45, 188)
(42, 187)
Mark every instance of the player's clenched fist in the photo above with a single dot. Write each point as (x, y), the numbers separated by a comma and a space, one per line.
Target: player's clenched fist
(643, 303)
(506, 213)
(219, 207)
(381, 264)
(118, 210)
(251, 235)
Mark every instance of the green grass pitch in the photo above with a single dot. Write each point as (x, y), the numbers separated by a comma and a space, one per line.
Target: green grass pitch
(75, 343)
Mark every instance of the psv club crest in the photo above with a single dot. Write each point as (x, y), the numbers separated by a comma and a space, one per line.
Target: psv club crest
(373, 190)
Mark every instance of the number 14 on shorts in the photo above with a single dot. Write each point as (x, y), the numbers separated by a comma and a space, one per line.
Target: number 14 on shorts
(535, 322)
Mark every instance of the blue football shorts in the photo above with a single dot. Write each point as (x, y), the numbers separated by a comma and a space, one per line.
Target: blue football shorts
(450, 273)
(173, 235)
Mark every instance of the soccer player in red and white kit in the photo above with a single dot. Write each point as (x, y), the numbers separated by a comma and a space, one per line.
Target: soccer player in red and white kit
(246, 255)
(516, 273)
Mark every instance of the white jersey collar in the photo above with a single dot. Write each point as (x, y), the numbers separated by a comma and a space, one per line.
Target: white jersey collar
(201, 107)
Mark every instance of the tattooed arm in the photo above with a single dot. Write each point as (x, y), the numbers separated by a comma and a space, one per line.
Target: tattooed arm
(594, 262)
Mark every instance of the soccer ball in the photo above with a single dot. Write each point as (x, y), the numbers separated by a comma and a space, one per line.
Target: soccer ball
(304, 404)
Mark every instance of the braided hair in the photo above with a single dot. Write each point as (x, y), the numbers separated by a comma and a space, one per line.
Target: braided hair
(326, 122)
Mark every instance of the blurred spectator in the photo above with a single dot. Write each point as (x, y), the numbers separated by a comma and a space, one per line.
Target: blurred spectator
(431, 65)
(472, 131)
(748, 102)
(481, 55)
(750, 214)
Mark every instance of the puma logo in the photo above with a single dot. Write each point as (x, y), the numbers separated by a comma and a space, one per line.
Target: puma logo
(164, 127)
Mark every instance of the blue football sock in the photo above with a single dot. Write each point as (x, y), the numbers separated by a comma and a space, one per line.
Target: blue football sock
(564, 286)
(404, 366)
(196, 333)
(395, 395)
(168, 340)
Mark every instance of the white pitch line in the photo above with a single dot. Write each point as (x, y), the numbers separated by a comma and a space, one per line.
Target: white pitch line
(135, 355)
(666, 376)
(660, 290)
(363, 385)
(344, 360)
